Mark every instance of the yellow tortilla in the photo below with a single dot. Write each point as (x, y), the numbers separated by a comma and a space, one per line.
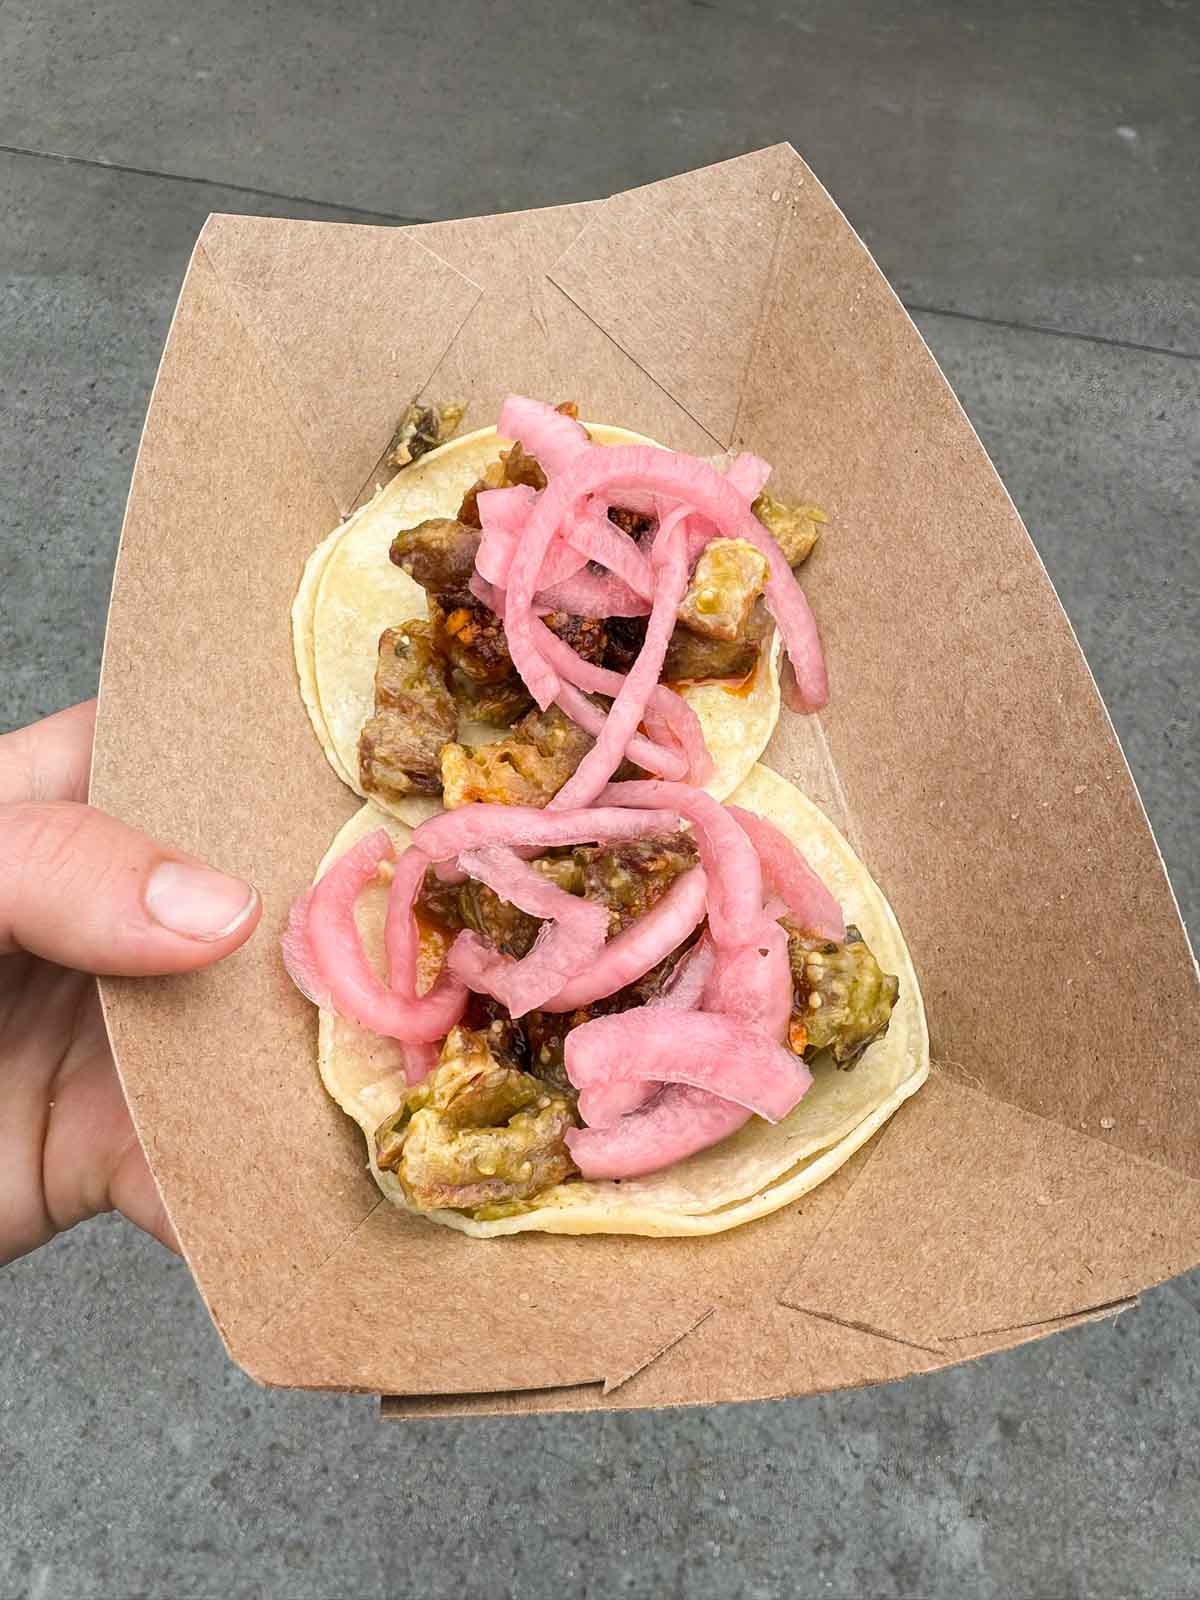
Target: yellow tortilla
(350, 592)
(756, 1170)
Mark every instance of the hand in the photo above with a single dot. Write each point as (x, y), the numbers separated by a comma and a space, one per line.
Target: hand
(81, 893)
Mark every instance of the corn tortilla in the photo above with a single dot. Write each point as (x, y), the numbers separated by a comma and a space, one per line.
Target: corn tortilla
(754, 1172)
(350, 592)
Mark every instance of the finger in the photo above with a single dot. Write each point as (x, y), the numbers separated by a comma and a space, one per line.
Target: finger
(82, 889)
(51, 759)
(134, 1193)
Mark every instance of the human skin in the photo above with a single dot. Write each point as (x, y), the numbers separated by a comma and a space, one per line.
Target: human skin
(81, 893)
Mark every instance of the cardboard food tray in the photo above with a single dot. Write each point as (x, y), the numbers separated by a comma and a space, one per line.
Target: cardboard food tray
(1049, 1168)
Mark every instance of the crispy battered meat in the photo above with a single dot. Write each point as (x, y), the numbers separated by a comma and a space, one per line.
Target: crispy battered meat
(727, 580)
(691, 659)
(587, 636)
(626, 635)
(421, 429)
(631, 877)
(528, 768)
(477, 1132)
(842, 1000)
(795, 529)
(439, 554)
(471, 637)
(455, 906)
(400, 747)
(498, 705)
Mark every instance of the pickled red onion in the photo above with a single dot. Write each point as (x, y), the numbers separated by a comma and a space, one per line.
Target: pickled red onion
(735, 899)
(674, 1123)
(298, 956)
(753, 984)
(471, 826)
(337, 954)
(606, 755)
(591, 594)
(552, 437)
(655, 758)
(602, 1104)
(685, 987)
(666, 712)
(572, 934)
(634, 951)
(602, 541)
(787, 872)
(686, 481)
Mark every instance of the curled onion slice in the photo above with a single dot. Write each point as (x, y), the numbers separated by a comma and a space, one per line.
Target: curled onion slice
(789, 875)
(636, 949)
(716, 1053)
(735, 897)
(571, 936)
(674, 1123)
(621, 724)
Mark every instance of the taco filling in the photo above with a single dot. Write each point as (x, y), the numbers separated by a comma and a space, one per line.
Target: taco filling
(655, 975)
(586, 995)
(635, 590)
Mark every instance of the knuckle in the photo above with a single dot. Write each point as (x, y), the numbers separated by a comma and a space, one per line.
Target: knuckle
(52, 846)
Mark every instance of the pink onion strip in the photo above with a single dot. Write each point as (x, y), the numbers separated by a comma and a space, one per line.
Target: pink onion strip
(299, 958)
(572, 935)
(787, 872)
(735, 899)
(716, 1053)
(555, 439)
(753, 985)
(687, 481)
(338, 955)
(591, 594)
(666, 712)
(636, 949)
(662, 762)
(471, 826)
(603, 1104)
(674, 1123)
(603, 542)
(606, 755)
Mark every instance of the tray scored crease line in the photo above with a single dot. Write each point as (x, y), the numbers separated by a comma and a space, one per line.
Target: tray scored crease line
(947, 1340)
(960, 1082)
(263, 356)
(273, 359)
(611, 1384)
(634, 362)
(297, 1297)
(309, 1275)
(595, 223)
(360, 495)
(767, 304)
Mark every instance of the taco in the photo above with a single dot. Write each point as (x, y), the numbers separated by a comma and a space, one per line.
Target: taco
(505, 1113)
(627, 980)
(404, 663)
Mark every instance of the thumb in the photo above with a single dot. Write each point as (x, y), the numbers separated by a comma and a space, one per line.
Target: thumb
(81, 889)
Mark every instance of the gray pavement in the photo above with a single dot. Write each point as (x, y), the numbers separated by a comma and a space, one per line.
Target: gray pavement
(1028, 177)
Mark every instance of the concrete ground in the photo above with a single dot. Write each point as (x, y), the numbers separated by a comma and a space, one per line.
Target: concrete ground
(1027, 175)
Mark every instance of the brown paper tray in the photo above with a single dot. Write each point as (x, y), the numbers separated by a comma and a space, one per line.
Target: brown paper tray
(1049, 1168)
